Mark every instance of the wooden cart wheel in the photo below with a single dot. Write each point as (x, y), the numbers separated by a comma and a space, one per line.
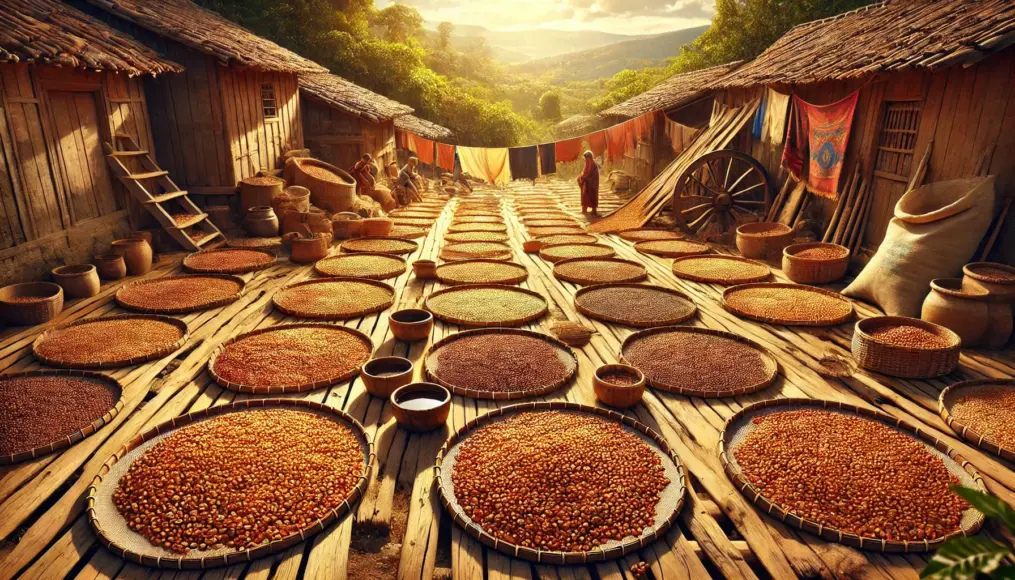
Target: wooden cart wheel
(719, 192)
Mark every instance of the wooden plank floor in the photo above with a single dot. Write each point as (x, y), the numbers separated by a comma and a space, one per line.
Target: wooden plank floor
(399, 529)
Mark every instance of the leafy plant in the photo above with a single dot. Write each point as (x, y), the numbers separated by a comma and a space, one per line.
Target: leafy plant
(975, 557)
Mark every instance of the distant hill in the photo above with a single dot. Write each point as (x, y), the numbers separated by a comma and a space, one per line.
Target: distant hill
(511, 46)
(605, 61)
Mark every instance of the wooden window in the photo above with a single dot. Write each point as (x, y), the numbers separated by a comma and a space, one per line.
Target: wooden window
(268, 101)
(897, 140)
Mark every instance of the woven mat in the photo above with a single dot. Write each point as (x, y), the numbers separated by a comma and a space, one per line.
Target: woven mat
(228, 261)
(481, 272)
(460, 220)
(555, 239)
(555, 230)
(486, 305)
(530, 218)
(975, 432)
(670, 503)
(714, 269)
(672, 248)
(110, 341)
(506, 357)
(365, 265)
(476, 237)
(700, 362)
(180, 294)
(477, 213)
(599, 270)
(789, 304)
(477, 228)
(394, 246)
(407, 232)
(638, 305)
(558, 252)
(64, 434)
(255, 243)
(740, 425)
(649, 234)
(334, 298)
(417, 222)
(112, 530)
(475, 250)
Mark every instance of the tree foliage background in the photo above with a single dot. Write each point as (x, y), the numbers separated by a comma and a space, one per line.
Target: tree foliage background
(389, 52)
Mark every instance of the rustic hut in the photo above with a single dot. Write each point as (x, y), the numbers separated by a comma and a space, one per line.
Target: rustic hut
(233, 112)
(934, 76)
(68, 83)
(425, 129)
(342, 121)
(578, 125)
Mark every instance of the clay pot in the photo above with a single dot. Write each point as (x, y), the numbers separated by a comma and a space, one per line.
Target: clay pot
(137, 255)
(79, 281)
(999, 327)
(421, 407)
(1000, 298)
(144, 235)
(261, 222)
(258, 192)
(411, 324)
(965, 312)
(307, 250)
(615, 395)
(382, 376)
(377, 227)
(532, 246)
(30, 303)
(110, 266)
(425, 269)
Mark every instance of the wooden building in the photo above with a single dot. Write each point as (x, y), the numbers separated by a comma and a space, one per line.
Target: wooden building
(935, 75)
(234, 111)
(68, 83)
(425, 129)
(343, 121)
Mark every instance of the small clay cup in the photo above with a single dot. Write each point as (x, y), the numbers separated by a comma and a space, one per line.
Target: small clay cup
(411, 324)
(383, 375)
(414, 418)
(619, 396)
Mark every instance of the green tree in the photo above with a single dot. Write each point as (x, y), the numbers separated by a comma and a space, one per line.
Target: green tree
(549, 106)
(444, 30)
(402, 23)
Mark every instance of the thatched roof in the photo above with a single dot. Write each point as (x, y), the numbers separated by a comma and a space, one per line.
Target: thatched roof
(673, 92)
(205, 31)
(50, 32)
(578, 125)
(886, 36)
(351, 98)
(424, 128)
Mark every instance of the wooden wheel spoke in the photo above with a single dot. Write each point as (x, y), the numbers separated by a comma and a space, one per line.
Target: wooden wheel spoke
(726, 179)
(741, 178)
(748, 202)
(696, 208)
(702, 219)
(707, 188)
(751, 188)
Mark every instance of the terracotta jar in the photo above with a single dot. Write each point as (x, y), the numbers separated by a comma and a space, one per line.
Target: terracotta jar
(377, 227)
(78, 281)
(110, 266)
(999, 282)
(137, 255)
(261, 222)
(145, 235)
(964, 311)
(258, 192)
(425, 269)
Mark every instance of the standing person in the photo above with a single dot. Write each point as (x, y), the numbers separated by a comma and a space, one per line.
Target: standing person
(588, 181)
(406, 190)
(364, 178)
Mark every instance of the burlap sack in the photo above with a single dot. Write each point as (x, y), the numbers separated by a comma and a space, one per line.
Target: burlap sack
(935, 231)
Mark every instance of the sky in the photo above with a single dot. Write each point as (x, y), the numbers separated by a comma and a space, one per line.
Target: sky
(616, 16)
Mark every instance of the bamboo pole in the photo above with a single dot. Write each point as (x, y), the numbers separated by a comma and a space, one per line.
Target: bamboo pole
(848, 203)
(839, 206)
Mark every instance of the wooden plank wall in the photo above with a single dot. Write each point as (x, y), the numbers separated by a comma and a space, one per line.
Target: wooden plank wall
(256, 143)
(341, 139)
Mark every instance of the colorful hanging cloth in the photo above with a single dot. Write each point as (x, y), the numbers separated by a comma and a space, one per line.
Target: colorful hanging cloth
(524, 162)
(422, 147)
(619, 140)
(643, 125)
(759, 118)
(401, 139)
(817, 137)
(597, 143)
(547, 159)
(489, 164)
(774, 127)
(446, 157)
(569, 150)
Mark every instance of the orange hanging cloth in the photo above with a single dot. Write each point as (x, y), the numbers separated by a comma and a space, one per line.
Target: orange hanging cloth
(565, 151)
(446, 157)
(619, 140)
(422, 147)
(597, 143)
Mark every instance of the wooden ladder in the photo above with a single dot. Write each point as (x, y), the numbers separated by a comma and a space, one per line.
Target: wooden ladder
(212, 237)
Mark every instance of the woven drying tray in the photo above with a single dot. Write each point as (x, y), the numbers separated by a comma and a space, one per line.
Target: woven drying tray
(720, 269)
(407, 232)
(476, 250)
(124, 337)
(470, 227)
(113, 532)
(255, 243)
(425, 223)
(667, 510)
(650, 234)
(70, 434)
(555, 230)
(638, 305)
(599, 271)
(477, 213)
(476, 237)
(180, 294)
(983, 436)
(531, 218)
(672, 248)
(458, 220)
(805, 305)
(495, 358)
(481, 272)
(739, 425)
(551, 223)
(393, 246)
(558, 252)
(228, 261)
(697, 362)
(904, 361)
(486, 305)
(555, 239)
(371, 266)
(334, 298)
(415, 214)
(299, 368)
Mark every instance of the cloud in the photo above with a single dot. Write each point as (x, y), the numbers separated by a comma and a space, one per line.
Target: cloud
(684, 9)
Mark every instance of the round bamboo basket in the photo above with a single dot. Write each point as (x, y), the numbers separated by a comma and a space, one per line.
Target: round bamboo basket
(476, 237)
(71, 438)
(366, 265)
(650, 234)
(737, 425)
(432, 366)
(835, 310)
(255, 243)
(555, 230)
(654, 305)
(616, 395)
(476, 250)
(763, 240)
(587, 271)
(333, 195)
(557, 252)
(551, 223)
(112, 530)
(471, 227)
(555, 239)
(902, 361)
(30, 303)
(137, 358)
(461, 220)
(481, 271)
(344, 301)
(229, 260)
(490, 307)
(738, 270)
(666, 511)
(768, 375)
(407, 232)
(814, 270)
(970, 432)
(674, 248)
(132, 296)
(393, 246)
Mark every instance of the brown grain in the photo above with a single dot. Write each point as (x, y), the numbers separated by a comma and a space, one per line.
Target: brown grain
(637, 305)
(697, 362)
(908, 336)
(500, 363)
(38, 411)
(334, 299)
(108, 340)
(990, 411)
(789, 304)
(484, 306)
(177, 293)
